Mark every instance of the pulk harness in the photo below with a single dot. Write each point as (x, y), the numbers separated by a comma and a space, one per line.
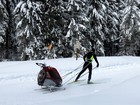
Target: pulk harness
(90, 59)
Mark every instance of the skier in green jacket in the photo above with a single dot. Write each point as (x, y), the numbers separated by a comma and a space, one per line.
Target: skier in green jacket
(88, 58)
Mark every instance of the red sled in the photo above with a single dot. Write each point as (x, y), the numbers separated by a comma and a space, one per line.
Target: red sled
(48, 76)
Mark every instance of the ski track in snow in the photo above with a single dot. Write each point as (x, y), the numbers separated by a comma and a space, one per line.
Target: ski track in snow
(109, 82)
(16, 71)
(32, 76)
(8, 78)
(112, 69)
(109, 75)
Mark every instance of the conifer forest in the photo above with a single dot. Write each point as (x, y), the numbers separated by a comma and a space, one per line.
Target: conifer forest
(39, 29)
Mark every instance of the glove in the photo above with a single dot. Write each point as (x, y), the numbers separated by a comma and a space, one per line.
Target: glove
(97, 65)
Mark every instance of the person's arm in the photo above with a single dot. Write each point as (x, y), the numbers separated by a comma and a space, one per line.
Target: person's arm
(84, 57)
(95, 58)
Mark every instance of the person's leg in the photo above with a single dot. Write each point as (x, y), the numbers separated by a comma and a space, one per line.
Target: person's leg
(90, 72)
(83, 70)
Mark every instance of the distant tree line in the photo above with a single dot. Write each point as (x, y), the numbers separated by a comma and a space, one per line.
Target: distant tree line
(39, 29)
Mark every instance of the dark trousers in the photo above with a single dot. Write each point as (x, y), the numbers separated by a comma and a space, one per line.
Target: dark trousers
(86, 65)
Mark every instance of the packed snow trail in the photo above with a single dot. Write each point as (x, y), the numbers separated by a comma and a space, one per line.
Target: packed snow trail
(116, 82)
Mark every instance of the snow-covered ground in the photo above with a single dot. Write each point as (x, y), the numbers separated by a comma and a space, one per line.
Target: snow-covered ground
(116, 82)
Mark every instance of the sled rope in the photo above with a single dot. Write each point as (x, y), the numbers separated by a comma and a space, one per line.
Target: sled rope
(76, 74)
(72, 71)
(70, 78)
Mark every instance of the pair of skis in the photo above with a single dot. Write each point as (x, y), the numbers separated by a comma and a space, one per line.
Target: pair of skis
(51, 89)
(80, 82)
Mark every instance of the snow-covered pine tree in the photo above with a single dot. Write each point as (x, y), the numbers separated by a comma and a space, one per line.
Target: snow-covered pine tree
(3, 26)
(7, 29)
(111, 41)
(78, 23)
(29, 32)
(130, 28)
(54, 23)
(97, 10)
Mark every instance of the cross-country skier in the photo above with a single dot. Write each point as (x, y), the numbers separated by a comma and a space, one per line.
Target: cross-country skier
(88, 58)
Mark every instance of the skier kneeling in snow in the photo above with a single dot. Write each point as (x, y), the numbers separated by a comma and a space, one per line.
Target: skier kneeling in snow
(88, 58)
